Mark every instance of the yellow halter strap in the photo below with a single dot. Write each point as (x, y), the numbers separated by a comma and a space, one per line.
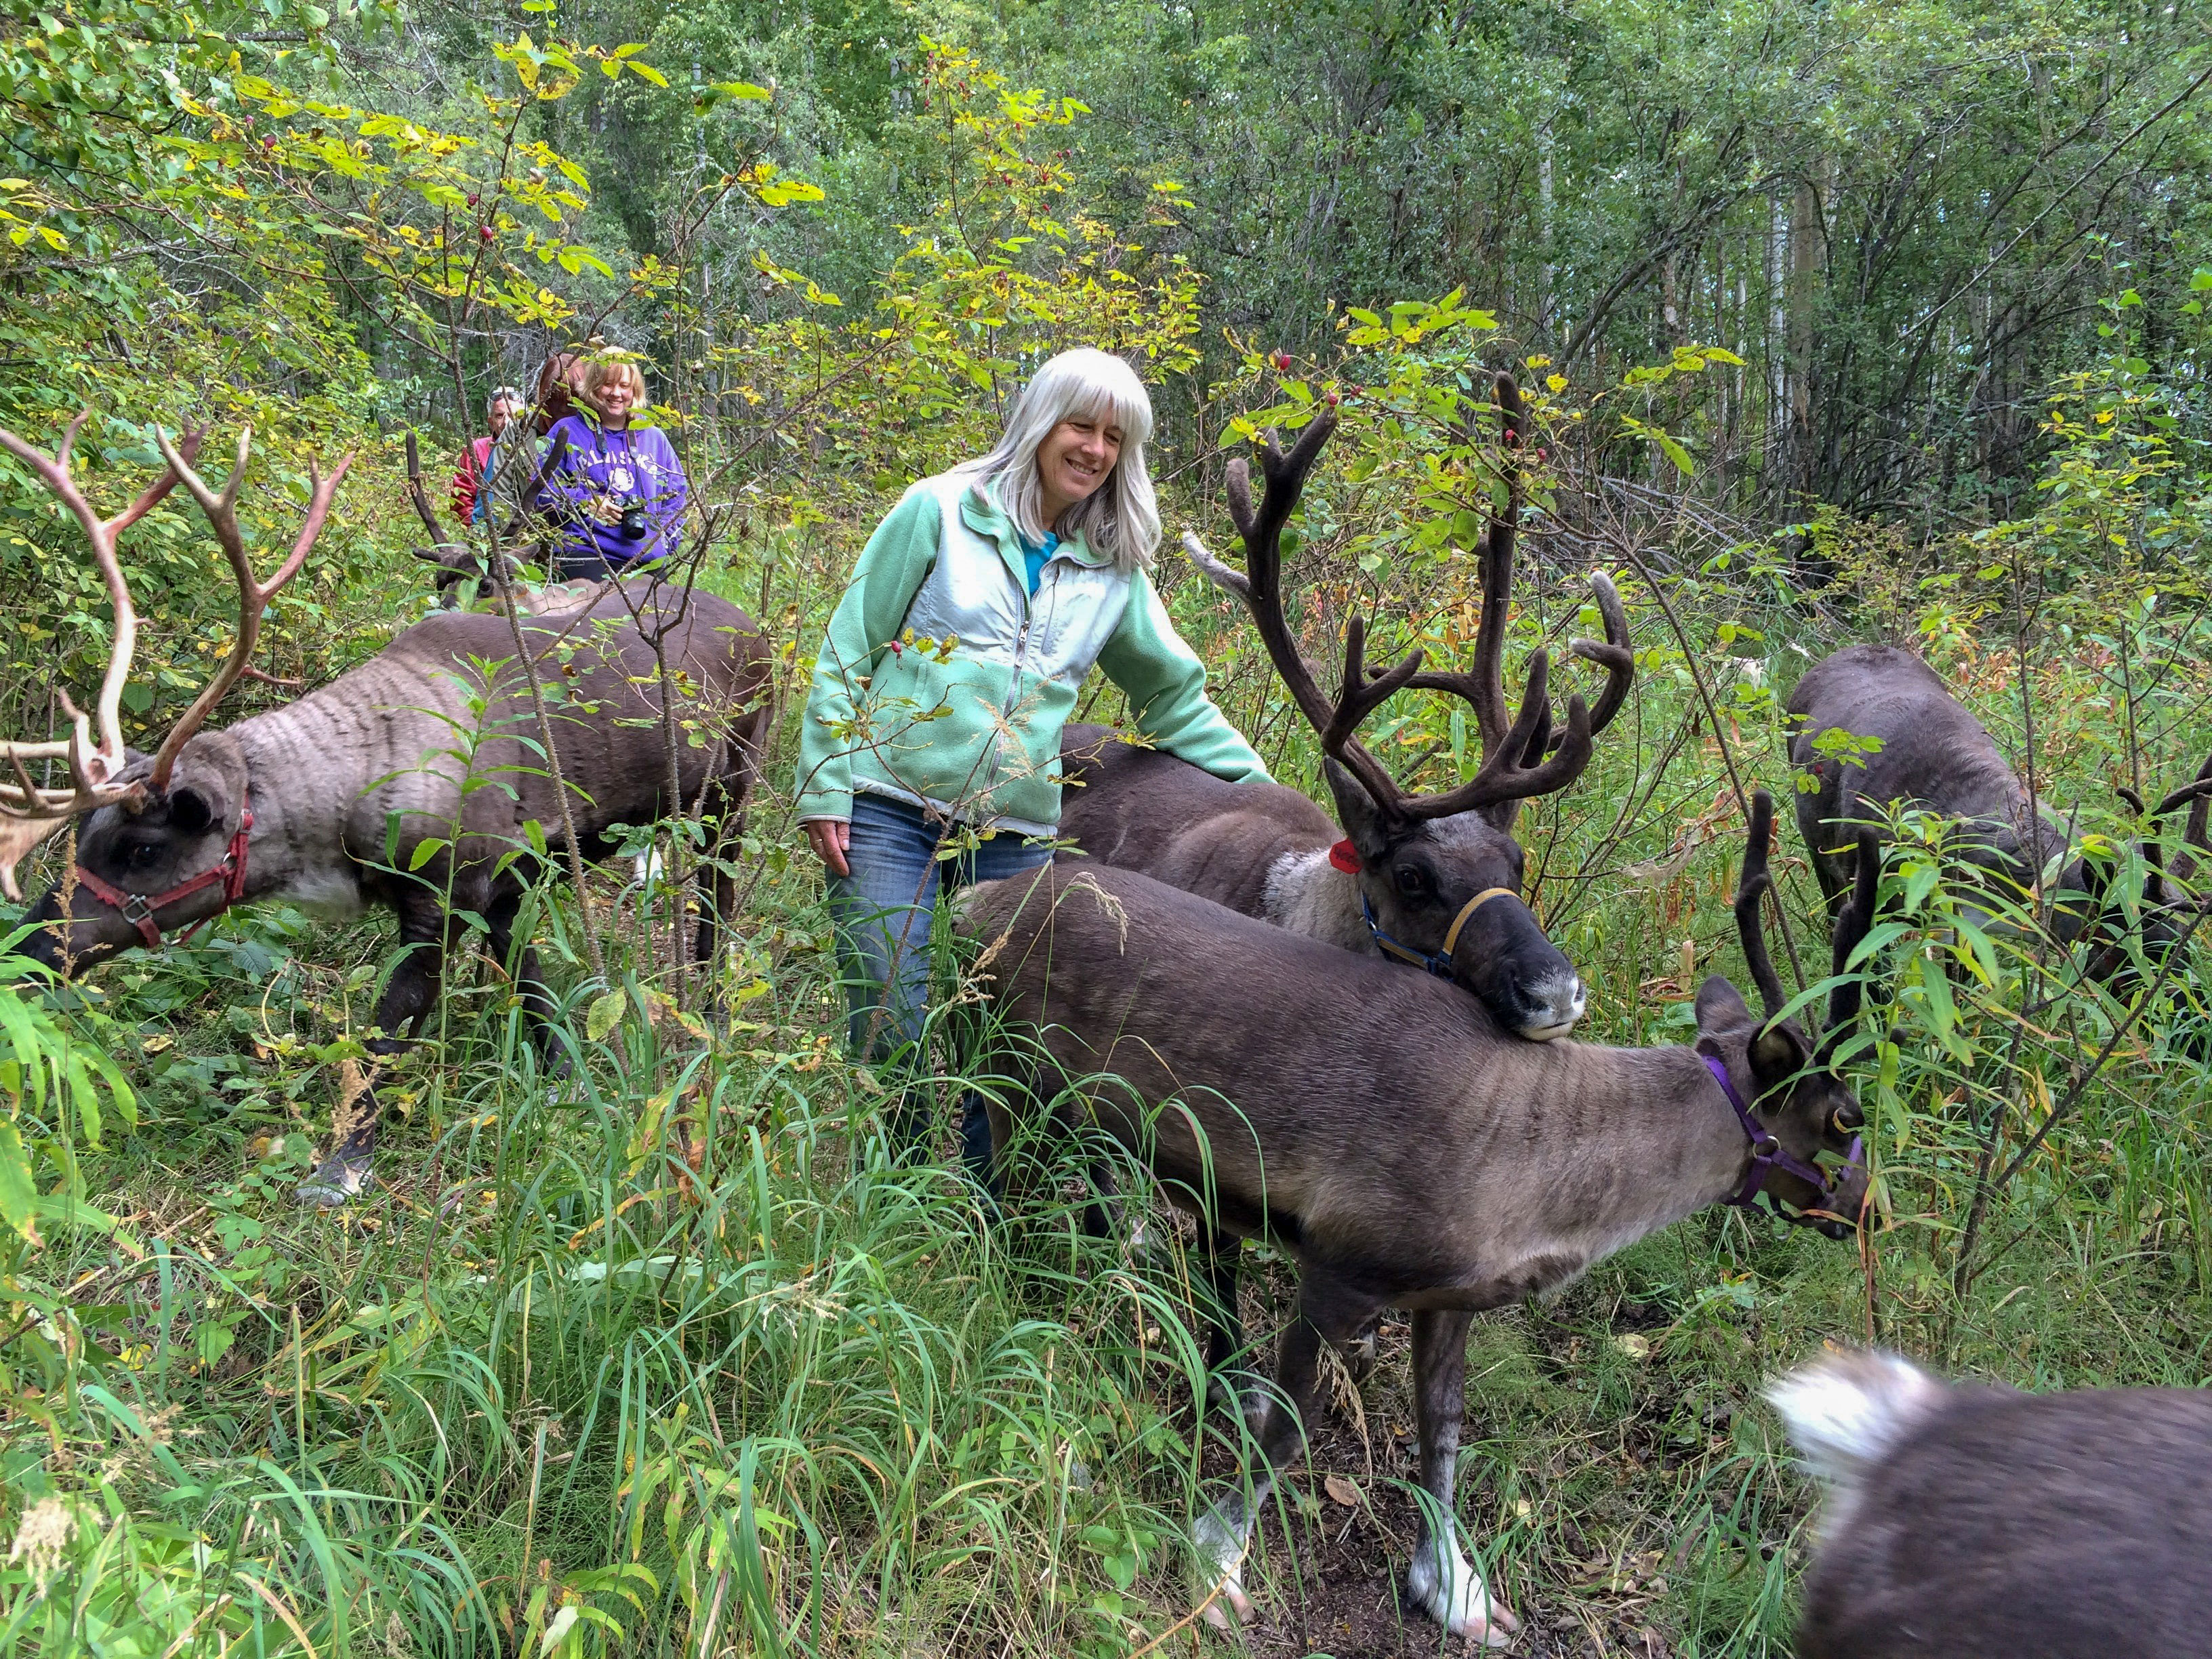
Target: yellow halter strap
(1451, 935)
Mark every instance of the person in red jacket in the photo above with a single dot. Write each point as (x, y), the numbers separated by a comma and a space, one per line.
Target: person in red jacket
(469, 478)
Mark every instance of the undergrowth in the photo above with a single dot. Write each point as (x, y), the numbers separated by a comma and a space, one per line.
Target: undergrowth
(659, 1348)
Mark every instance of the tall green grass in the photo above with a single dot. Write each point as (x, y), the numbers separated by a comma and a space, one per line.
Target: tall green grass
(665, 1350)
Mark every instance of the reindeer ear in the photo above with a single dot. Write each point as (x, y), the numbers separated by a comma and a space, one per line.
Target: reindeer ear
(1776, 1054)
(1721, 1007)
(1356, 809)
(191, 810)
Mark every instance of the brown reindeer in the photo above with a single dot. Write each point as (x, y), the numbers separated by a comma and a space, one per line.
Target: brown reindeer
(1382, 1128)
(1973, 1522)
(358, 792)
(1936, 756)
(1434, 880)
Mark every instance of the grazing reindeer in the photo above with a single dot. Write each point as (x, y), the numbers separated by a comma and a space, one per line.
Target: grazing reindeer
(1974, 1522)
(467, 579)
(1936, 756)
(328, 799)
(1434, 880)
(1381, 1128)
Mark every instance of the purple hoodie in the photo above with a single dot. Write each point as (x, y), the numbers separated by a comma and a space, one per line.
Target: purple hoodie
(636, 465)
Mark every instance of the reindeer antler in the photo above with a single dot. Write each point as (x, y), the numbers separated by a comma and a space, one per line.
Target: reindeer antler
(1260, 587)
(1853, 922)
(1751, 886)
(253, 594)
(1514, 764)
(1522, 756)
(418, 496)
(28, 813)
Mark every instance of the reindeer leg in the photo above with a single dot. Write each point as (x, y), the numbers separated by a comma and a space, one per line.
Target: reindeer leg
(1444, 1581)
(1224, 1328)
(726, 800)
(1327, 1312)
(408, 997)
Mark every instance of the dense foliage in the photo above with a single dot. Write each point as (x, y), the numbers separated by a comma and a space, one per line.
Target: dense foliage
(1841, 322)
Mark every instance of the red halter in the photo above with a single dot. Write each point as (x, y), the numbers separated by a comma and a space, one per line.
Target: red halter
(138, 909)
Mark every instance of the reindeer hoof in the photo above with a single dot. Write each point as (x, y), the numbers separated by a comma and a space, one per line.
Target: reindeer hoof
(1449, 1589)
(336, 1182)
(1220, 1538)
(1359, 1356)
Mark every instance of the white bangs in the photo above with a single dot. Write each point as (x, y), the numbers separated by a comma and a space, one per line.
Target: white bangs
(1121, 518)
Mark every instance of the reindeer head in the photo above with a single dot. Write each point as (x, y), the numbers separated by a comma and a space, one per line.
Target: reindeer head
(161, 843)
(464, 576)
(1439, 875)
(1789, 1076)
(2169, 905)
(147, 845)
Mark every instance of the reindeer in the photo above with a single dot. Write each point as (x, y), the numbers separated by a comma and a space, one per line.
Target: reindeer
(1384, 1130)
(1978, 1524)
(467, 579)
(1936, 756)
(1432, 880)
(354, 792)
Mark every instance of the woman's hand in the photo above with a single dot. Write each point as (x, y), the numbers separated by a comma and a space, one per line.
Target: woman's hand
(830, 838)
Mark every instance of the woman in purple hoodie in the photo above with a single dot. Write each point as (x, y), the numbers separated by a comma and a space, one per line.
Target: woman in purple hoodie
(616, 490)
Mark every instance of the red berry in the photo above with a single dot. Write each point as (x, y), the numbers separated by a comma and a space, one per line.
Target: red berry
(484, 231)
(472, 198)
(1512, 439)
(1331, 400)
(1542, 456)
(1354, 391)
(1283, 362)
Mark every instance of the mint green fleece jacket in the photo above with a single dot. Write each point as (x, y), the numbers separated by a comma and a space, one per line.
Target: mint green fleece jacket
(942, 681)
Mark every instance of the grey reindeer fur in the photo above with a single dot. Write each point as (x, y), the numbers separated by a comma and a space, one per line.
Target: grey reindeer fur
(1936, 756)
(1378, 1124)
(329, 771)
(1966, 1521)
(1263, 849)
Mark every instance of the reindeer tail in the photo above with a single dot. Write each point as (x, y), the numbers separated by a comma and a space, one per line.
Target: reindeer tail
(1847, 1409)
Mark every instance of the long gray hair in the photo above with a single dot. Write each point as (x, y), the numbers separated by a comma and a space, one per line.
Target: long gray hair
(1121, 518)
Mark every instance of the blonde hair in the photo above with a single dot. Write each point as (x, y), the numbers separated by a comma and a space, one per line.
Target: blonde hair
(1121, 518)
(602, 369)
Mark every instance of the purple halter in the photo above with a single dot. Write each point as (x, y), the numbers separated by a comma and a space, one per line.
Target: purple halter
(1766, 1153)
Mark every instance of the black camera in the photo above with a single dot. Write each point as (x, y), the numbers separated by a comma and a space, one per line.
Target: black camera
(632, 523)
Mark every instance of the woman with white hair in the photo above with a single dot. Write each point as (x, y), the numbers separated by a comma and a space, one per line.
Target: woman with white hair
(929, 758)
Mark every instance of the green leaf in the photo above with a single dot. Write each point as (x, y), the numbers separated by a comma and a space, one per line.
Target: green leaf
(425, 850)
(19, 1193)
(604, 1015)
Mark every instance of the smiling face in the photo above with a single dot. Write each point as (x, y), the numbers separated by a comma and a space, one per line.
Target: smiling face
(615, 398)
(1076, 457)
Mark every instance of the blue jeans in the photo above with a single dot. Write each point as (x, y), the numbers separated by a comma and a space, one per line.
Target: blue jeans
(883, 912)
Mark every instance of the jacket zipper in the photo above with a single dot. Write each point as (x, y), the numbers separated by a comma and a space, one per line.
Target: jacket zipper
(1021, 647)
(1014, 681)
